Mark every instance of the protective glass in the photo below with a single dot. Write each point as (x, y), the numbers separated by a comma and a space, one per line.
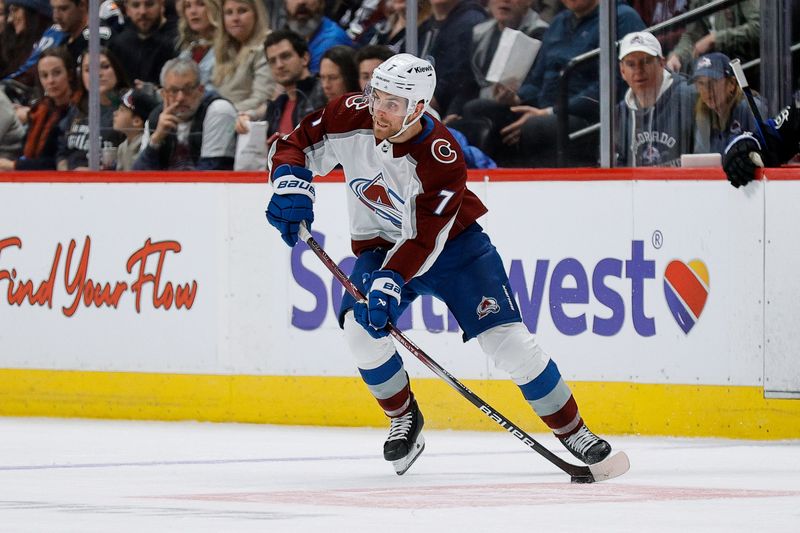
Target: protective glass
(387, 103)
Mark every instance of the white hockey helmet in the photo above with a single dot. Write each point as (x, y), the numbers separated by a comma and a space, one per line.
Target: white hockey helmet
(408, 77)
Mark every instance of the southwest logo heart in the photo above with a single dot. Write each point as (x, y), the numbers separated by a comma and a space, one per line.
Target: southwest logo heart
(686, 290)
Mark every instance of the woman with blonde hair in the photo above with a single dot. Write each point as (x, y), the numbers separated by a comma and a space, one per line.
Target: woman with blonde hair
(200, 22)
(241, 72)
(721, 111)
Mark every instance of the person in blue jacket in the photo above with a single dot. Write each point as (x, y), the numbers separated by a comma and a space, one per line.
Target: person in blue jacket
(307, 19)
(446, 37)
(525, 122)
(722, 111)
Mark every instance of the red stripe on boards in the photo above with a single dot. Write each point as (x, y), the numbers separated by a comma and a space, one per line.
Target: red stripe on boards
(494, 175)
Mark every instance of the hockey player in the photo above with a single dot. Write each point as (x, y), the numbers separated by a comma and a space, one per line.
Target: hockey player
(414, 231)
(749, 151)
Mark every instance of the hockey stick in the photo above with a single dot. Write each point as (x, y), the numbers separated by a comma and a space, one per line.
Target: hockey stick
(741, 79)
(608, 468)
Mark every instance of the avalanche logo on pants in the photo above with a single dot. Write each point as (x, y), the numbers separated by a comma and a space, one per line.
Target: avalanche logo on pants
(686, 290)
(375, 194)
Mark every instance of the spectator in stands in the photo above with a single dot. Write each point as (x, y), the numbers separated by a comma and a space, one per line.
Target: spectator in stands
(193, 129)
(73, 146)
(721, 111)
(444, 37)
(241, 73)
(734, 31)
(11, 131)
(367, 60)
(112, 16)
(276, 14)
(658, 11)
(70, 29)
(513, 14)
(655, 118)
(56, 73)
(358, 17)
(796, 57)
(391, 31)
(27, 21)
(337, 72)
(547, 9)
(72, 16)
(306, 18)
(524, 123)
(145, 45)
(288, 57)
(134, 108)
(198, 26)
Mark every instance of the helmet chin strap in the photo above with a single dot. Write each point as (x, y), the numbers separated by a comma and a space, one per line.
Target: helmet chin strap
(406, 126)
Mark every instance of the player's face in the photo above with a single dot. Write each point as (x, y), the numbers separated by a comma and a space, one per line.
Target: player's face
(388, 113)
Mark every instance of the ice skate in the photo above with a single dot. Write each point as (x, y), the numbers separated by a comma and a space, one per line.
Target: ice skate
(586, 446)
(405, 442)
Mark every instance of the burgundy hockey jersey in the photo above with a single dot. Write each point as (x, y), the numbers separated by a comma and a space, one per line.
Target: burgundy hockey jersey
(410, 197)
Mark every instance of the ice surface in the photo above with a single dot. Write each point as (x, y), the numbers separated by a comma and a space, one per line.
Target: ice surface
(102, 476)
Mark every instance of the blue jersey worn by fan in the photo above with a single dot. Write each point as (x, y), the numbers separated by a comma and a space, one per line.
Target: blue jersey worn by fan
(414, 231)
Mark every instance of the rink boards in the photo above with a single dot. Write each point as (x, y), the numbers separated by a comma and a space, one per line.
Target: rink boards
(667, 298)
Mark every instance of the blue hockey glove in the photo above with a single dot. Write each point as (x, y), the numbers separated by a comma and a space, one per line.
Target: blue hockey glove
(383, 302)
(292, 201)
(361, 314)
(741, 159)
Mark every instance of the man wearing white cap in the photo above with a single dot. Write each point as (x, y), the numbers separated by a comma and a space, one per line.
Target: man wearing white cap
(655, 119)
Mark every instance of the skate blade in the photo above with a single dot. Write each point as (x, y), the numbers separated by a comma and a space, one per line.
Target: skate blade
(401, 466)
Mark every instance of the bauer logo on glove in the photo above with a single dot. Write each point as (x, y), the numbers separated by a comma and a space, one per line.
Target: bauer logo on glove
(292, 185)
(292, 201)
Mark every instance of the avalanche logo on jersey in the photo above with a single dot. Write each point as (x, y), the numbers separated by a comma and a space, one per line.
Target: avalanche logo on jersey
(487, 307)
(375, 194)
(357, 101)
(443, 152)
